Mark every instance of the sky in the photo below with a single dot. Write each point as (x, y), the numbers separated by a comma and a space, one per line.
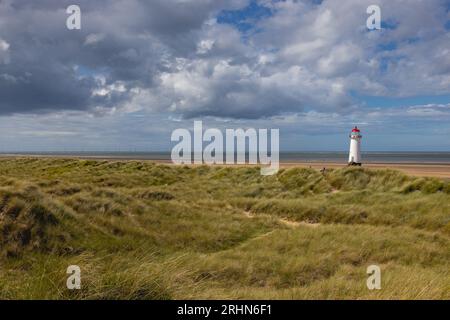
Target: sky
(137, 70)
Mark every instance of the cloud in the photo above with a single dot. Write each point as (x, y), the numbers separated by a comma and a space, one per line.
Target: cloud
(309, 56)
(178, 57)
(47, 68)
(4, 52)
(94, 38)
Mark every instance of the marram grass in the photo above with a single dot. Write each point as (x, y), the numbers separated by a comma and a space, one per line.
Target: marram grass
(140, 230)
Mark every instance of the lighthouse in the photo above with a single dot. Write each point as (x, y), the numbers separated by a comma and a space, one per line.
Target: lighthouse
(354, 157)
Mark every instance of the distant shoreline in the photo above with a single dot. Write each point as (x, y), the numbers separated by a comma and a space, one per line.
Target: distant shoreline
(420, 169)
(168, 160)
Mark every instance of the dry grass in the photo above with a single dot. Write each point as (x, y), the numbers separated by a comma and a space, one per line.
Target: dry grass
(148, 231)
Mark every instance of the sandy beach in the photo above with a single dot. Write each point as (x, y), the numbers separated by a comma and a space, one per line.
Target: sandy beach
(438, 170)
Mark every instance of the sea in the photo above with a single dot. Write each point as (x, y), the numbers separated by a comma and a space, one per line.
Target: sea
(285, 157)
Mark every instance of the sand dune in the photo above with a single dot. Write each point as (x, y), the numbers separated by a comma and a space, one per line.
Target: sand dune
(439, 170)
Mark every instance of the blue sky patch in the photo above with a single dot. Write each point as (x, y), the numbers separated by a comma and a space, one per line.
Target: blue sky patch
(244, 19)
(389, 24)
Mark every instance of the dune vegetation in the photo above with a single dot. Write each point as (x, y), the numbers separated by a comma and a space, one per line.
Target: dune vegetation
(140, 230)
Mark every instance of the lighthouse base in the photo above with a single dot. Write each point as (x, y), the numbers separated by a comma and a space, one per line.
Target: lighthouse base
(354, 164)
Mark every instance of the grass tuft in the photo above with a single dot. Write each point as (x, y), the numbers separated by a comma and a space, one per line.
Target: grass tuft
(140, 230)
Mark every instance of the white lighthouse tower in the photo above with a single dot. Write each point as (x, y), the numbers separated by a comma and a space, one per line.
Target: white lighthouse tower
(354, 157)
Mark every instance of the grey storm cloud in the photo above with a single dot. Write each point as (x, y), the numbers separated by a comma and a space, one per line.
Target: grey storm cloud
(173, 56)
(46, 67)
